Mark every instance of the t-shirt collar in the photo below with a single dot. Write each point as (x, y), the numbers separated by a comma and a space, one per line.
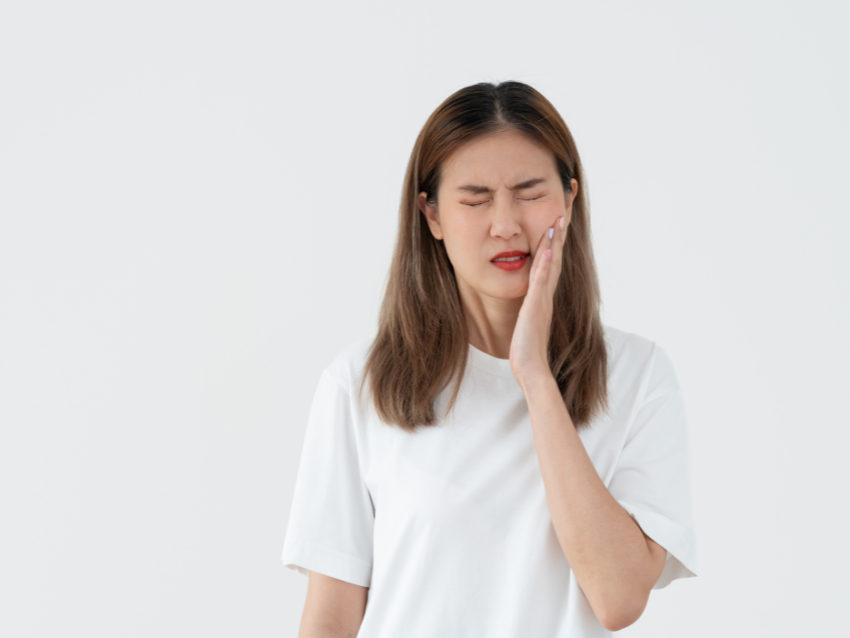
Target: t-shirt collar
(489, 363)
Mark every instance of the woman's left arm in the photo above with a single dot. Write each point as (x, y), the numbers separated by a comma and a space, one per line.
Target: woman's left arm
(615, 563)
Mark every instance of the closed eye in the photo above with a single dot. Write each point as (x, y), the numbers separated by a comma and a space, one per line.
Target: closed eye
(523, 199)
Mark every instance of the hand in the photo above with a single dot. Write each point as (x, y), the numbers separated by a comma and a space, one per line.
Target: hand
(530, 341)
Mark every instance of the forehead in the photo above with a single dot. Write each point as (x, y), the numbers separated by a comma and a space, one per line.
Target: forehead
(505, 156)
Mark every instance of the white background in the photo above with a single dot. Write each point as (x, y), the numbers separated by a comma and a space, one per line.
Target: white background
(199, 203)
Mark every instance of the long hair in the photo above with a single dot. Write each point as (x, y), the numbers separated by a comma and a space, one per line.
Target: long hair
(422, 341)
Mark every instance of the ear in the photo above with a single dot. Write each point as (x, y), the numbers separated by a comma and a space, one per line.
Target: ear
(431, 215)
(568, 200)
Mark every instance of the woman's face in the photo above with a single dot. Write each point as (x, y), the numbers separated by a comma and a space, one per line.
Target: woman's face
(497, 194)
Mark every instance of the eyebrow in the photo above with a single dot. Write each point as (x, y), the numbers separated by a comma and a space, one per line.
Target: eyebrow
(472, 188)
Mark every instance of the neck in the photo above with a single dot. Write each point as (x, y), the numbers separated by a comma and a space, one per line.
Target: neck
(490, 321)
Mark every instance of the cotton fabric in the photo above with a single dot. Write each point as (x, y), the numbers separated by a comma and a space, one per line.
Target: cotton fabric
(449, 527)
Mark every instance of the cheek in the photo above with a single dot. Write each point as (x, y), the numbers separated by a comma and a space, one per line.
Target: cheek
(466, 224)
(464, 238)
(544, 217)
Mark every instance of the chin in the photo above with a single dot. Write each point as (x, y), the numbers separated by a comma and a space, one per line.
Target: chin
(514, 291)
(498, 287)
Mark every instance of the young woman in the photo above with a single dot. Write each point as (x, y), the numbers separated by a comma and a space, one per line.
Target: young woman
(515, 468)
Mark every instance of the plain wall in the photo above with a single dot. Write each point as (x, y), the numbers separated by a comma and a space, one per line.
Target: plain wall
(198, 204)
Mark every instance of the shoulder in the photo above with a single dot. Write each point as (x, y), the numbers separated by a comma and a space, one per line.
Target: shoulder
(625, 344)
(632, 357)
(347, 366)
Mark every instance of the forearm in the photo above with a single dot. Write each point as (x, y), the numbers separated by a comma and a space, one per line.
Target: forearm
(605, 548)
(325, 631)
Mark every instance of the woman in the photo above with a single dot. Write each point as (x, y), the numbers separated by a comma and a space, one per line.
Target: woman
(518, 469)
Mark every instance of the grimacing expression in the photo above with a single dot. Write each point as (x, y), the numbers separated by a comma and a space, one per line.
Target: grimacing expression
(497, 193)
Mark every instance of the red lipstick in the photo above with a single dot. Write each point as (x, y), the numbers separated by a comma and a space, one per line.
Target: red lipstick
(509, 260)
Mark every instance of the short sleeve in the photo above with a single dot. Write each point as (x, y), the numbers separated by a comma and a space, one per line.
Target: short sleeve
(652, 479)
(331, 522)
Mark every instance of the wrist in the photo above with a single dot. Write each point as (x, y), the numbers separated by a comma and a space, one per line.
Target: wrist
(535, 381)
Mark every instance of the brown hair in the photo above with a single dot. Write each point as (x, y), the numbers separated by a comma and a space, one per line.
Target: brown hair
(422, 341)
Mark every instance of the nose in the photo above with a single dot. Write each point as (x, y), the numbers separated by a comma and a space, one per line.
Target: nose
(504, 221)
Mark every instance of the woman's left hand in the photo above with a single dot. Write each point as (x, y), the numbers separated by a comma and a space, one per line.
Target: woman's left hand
(530, 341)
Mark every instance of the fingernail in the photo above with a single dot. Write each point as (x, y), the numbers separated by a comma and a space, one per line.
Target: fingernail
(548, 252)
(551, 232)
(561, 223)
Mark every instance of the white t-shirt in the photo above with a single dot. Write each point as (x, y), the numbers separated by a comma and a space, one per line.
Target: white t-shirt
(449, 527)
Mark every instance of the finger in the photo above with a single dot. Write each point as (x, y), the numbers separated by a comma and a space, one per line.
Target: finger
(535, 261)
(558, 241)
(541, 274)
(549, 242)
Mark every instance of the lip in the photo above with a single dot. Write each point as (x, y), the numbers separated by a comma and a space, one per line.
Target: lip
(511, 253)
(511, 265)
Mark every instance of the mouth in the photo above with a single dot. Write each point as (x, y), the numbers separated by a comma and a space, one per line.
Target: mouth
(511, 256)
(511, 261)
